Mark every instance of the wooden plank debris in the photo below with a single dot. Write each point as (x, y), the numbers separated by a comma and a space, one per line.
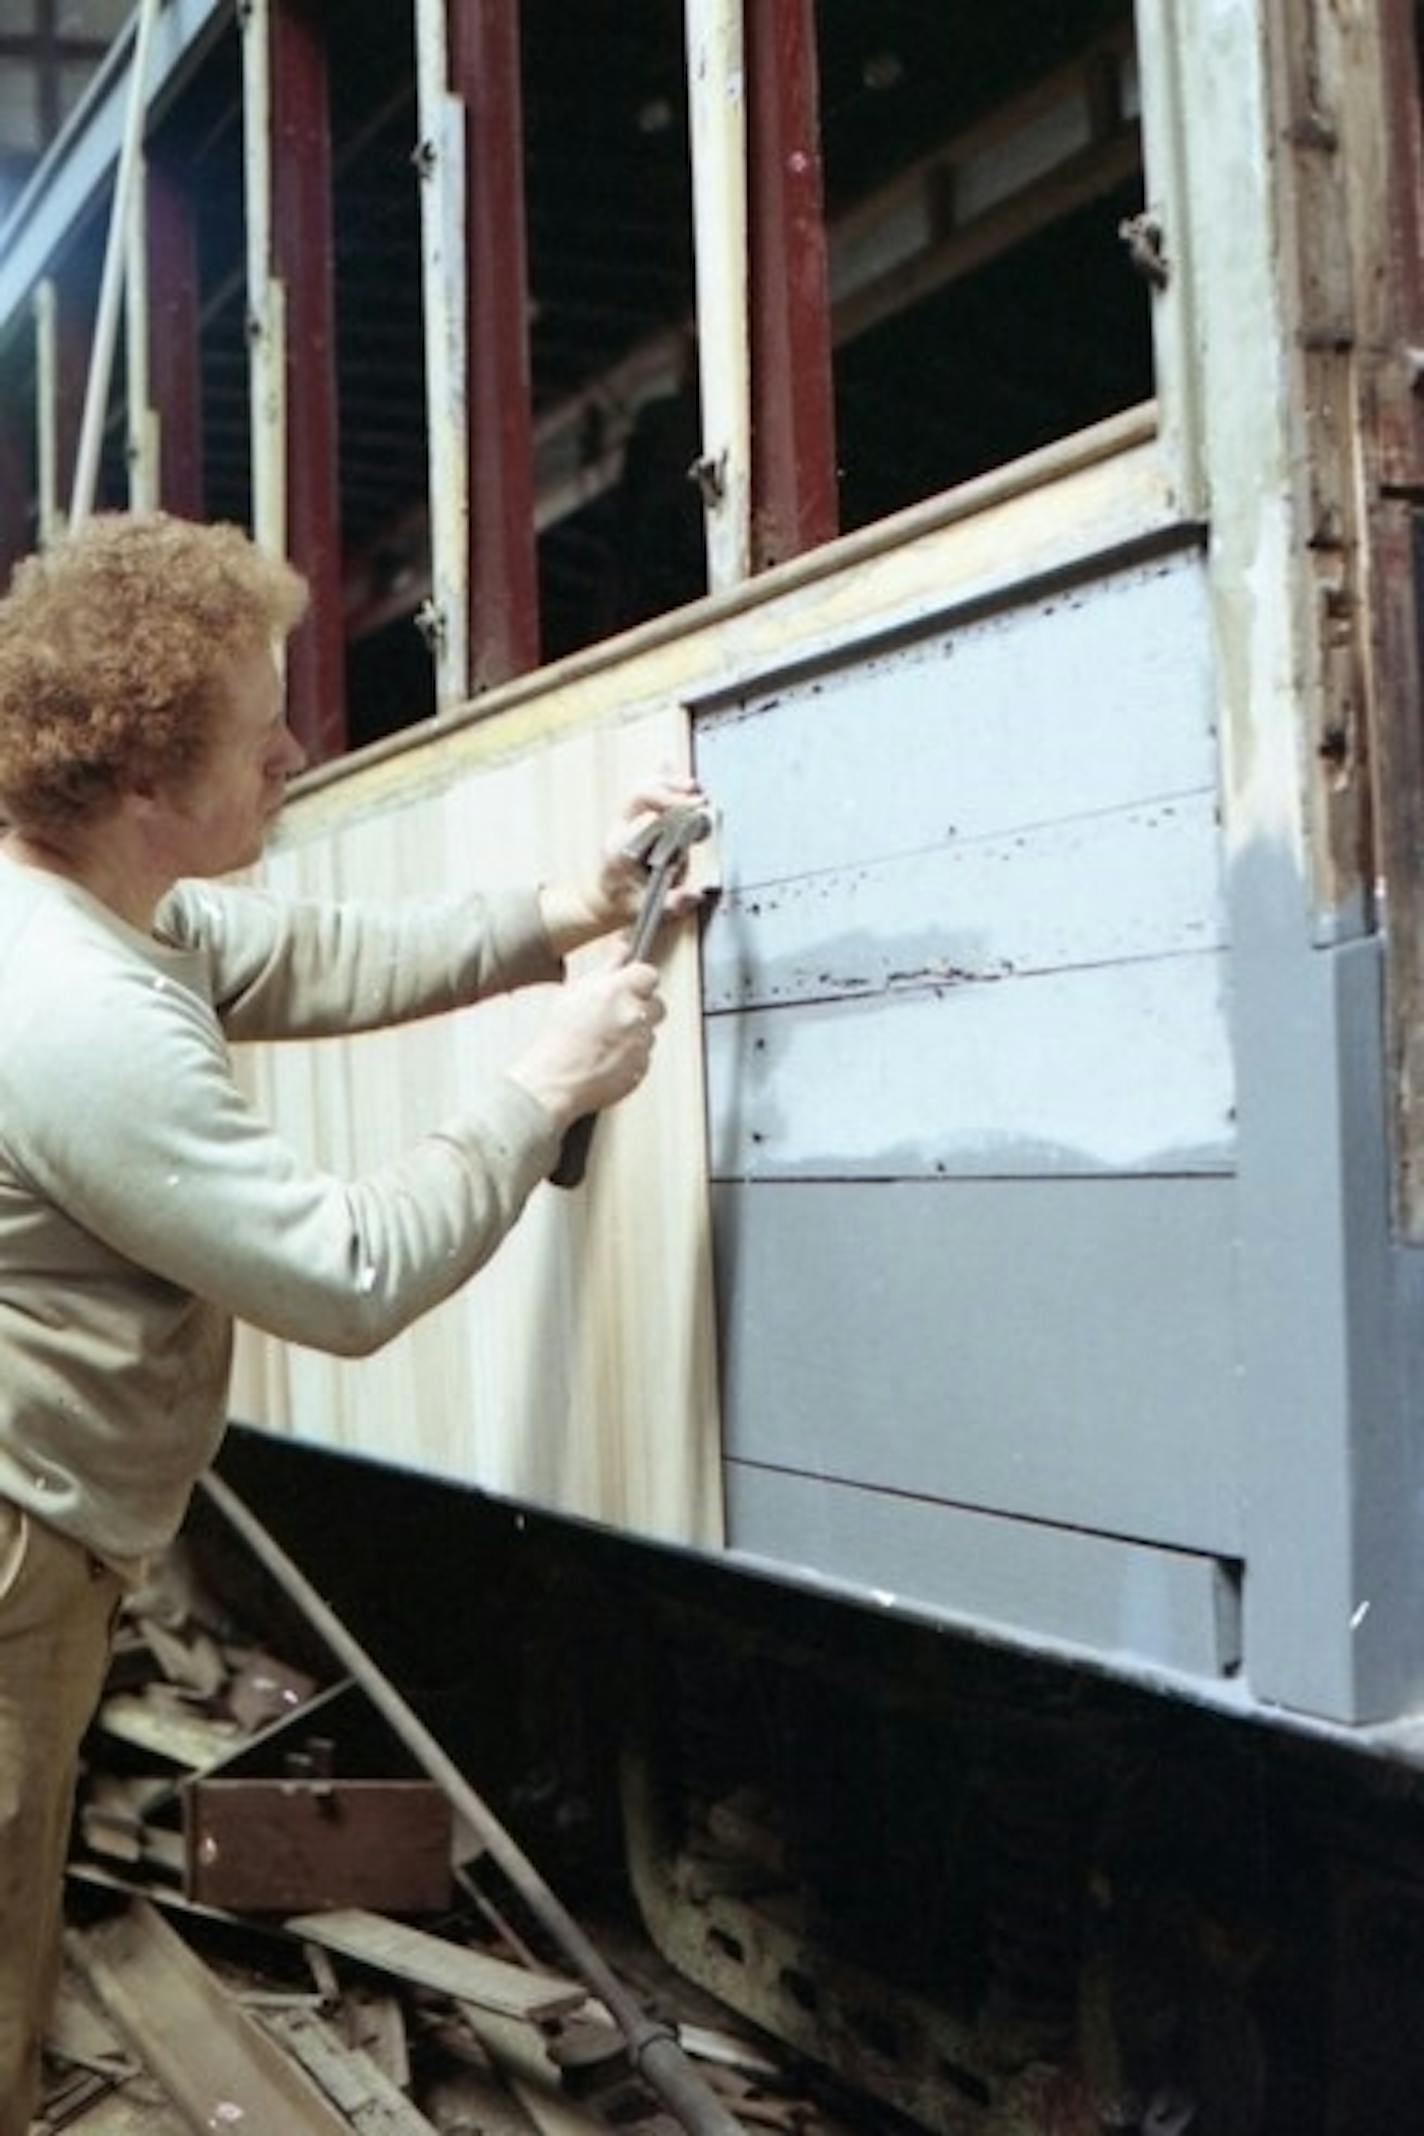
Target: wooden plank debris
(214, 2061)
(164, 1726)
(374, 2022)
(368, 2099)
(452, 1969)
(77, 2034)
(472, 2098)
(705, 2043)
(264, 1692)
(137, 2108)
(194, 1661)
(520, 2054)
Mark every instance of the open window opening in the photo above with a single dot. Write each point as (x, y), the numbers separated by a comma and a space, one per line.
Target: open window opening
(980, 166)
(382, 456)
(975, 171)
(612, 348)
(206, 164)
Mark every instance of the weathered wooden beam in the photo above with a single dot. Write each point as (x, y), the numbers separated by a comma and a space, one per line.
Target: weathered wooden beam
(302, 236)
(503, 592)
(433, 1962)
(366, 2097)
(213, 2060)
(793, 447)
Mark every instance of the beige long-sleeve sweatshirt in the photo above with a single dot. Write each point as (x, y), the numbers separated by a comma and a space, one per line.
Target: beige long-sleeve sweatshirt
(144, 1203)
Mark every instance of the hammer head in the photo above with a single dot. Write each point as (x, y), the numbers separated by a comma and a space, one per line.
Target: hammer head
(664, 839)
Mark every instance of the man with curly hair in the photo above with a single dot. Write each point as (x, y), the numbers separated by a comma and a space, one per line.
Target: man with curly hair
(144, 1204)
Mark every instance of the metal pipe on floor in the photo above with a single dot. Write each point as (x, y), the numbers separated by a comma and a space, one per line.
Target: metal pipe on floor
(653, 2047)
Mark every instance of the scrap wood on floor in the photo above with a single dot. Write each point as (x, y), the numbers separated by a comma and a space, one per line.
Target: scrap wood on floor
(227, 1967)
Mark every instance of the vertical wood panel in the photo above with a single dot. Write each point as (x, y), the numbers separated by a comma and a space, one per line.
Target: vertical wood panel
(577, 1370)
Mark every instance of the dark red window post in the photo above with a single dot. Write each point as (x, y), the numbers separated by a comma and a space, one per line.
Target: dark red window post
(794, 502)
(174, 329)
(303, 246)
(15, 533)
(504, 599)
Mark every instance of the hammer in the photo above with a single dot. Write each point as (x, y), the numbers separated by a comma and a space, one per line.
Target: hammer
(662, 845)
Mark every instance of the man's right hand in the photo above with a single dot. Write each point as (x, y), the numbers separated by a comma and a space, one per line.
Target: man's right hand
(598, 1043)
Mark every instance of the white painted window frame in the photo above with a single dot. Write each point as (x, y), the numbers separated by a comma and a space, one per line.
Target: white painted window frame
(717, 109)
(440, 161)
(266, 310)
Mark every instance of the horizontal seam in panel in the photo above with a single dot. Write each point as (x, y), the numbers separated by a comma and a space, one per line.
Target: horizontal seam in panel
(954, 842)
(955, 982)
(989, 1513)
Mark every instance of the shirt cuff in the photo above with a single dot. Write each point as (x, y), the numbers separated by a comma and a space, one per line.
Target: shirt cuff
(514, 1127)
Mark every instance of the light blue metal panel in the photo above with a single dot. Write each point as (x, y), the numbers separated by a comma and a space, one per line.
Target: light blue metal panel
(1126, 883)
(1121, 1068)
(1095, 699)
(1063, 1350)
(1163, 1607)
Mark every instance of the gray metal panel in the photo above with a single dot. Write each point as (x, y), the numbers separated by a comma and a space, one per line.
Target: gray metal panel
(1094, 699)
(1101, 889)
(1330, 1387)
(1057, 1349)
(1119, 1068)
(1160, 1606)
(973, 920)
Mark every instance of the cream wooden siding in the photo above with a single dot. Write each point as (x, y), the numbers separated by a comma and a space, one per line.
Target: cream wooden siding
(576, 1372)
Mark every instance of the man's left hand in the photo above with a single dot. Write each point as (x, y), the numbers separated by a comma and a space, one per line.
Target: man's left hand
(577, 914)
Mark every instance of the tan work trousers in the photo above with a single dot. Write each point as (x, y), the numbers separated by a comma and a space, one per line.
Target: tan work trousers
(57, 1607)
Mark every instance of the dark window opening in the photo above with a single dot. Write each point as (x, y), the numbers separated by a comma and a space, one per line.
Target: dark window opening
(211, 150)
(611, 288)
(978, 167)
(382, 451)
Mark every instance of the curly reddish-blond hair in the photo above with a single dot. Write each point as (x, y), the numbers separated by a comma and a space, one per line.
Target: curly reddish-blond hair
(109, 643)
